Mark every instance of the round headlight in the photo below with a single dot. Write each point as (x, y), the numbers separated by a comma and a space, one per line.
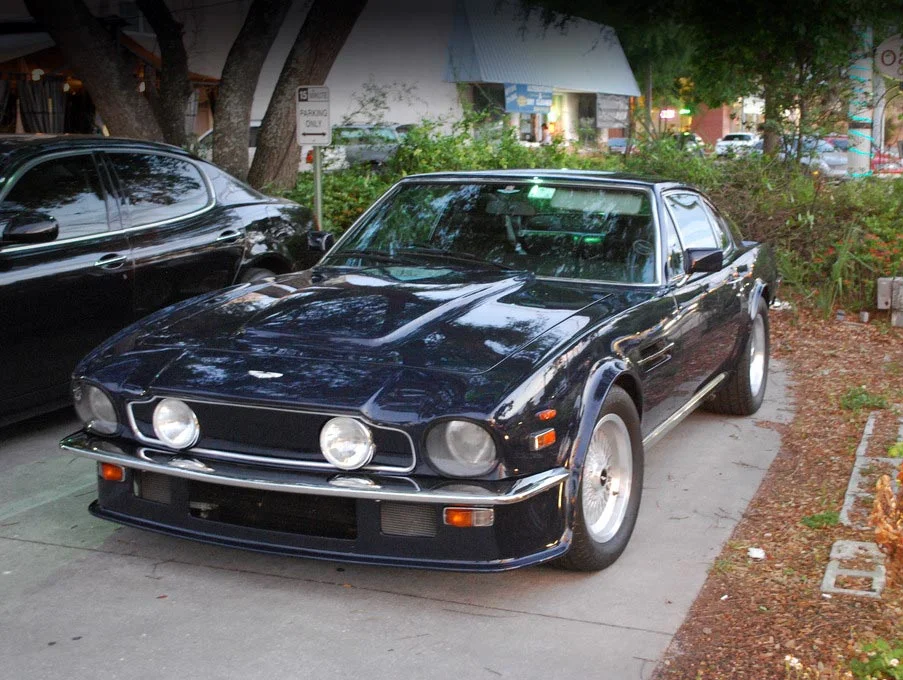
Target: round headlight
(461, 449)
(175, 424)
(95, 409)
(346, 443)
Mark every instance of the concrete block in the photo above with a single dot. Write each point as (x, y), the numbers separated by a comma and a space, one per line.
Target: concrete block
(890, 293)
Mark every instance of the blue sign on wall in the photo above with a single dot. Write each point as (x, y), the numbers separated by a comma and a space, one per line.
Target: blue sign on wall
(521, 98)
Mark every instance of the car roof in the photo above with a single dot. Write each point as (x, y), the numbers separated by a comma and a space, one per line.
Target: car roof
(14, 147)
(551, 174)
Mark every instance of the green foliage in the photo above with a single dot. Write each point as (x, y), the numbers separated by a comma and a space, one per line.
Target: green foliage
(883, 660)
(821, 520)
(857, 398)
(895, 451)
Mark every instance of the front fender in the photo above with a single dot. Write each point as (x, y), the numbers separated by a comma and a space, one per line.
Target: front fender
(603, 375)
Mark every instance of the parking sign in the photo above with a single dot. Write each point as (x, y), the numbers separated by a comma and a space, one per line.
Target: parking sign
(312, 107)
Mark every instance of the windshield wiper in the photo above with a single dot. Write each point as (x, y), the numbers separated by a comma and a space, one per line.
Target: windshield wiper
(454, 257)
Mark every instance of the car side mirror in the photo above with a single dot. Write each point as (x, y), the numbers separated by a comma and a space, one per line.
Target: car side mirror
(30, 227)
(705, 260)
(320, 241)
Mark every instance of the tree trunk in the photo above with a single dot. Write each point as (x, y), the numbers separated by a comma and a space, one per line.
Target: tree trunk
(771, 136)
(239, 80)
(175, 86)
(325, 30)
(95, 57)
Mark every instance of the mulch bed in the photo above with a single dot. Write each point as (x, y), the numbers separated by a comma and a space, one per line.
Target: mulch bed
(752, 614)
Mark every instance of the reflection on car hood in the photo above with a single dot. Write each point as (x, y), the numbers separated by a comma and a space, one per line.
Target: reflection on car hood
(375, 340)
(464, 322)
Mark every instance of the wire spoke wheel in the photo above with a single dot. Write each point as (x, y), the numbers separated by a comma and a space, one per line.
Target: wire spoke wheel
(607, 478)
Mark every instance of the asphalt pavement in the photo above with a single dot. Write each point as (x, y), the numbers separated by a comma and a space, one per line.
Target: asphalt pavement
(81, 598)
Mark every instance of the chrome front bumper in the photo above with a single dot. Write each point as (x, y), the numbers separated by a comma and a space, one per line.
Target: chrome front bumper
(348, 485)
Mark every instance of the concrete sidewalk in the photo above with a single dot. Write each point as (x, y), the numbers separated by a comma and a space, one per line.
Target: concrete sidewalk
(82, 598)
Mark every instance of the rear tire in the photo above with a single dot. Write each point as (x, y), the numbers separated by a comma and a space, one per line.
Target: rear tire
(744, 391)
(611, 485)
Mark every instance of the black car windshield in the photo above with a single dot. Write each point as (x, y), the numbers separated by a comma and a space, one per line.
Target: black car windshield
(593, 233)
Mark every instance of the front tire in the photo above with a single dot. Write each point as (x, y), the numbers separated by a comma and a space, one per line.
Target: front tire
(611, 485)
(744, 391)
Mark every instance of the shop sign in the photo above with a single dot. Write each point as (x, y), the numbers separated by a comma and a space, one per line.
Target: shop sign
(889, 58)
(520, 98)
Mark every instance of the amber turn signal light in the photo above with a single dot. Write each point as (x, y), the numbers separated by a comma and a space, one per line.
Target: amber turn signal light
(469, 517)
(540, 440)
(112, 473)
(548, 414)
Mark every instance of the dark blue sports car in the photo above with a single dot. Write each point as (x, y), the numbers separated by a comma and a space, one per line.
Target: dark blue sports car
(466, 380)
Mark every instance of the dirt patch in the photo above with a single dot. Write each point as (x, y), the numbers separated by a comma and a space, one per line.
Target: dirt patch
(751, 614)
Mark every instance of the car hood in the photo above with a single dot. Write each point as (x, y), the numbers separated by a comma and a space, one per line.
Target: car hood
(429, 318)
(389, 342)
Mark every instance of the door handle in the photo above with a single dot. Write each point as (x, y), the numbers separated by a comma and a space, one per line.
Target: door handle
(228, 236)
(111, 261)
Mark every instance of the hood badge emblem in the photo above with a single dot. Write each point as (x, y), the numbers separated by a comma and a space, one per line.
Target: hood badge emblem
(264, 375)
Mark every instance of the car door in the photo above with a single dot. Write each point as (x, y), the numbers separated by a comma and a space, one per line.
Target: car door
(183, 244)
(708, 307)
(59, 299)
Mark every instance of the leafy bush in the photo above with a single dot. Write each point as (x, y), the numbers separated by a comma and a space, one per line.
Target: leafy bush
(832, 239)
(821, 520)
(857, 398)
(881, 660)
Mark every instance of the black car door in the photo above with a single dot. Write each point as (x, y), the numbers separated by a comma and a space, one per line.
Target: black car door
(183, 243)
(61, 298)
(709, 309)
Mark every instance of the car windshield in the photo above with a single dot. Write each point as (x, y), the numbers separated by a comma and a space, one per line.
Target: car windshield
(592, 233)
(363, 135)
(737, 138)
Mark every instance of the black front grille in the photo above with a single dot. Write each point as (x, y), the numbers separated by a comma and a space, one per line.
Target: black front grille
(290, 436)
(273, 511)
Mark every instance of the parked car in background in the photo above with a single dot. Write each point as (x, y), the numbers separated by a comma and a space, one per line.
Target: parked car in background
(371, 145)
(97, 232)
(467, 380)
(886, 162)
(689, 142)
(735, 143)
(621, 145)
(818, 156)
(838, 141)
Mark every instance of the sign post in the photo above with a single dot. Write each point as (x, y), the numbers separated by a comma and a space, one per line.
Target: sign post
(313, 129)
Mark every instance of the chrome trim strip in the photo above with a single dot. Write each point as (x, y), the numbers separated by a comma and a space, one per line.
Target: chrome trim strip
(655, 355)
(246, 457)
(165, 463)
(653, 437)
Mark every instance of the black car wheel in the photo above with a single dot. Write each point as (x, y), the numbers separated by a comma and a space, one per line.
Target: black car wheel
(745, 388)
(257, 275)
(611, 484)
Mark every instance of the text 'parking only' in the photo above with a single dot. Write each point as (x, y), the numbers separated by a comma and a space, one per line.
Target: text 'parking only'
(313, 116)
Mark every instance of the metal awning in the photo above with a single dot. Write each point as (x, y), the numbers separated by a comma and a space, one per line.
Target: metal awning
(492, 42)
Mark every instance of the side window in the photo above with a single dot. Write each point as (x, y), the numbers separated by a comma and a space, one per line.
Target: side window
(674, 253)
(693, 222)
(722, 228)
(159, 187)
(67, 188)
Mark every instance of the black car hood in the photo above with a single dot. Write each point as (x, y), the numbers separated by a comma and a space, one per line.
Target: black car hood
(342, 337)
